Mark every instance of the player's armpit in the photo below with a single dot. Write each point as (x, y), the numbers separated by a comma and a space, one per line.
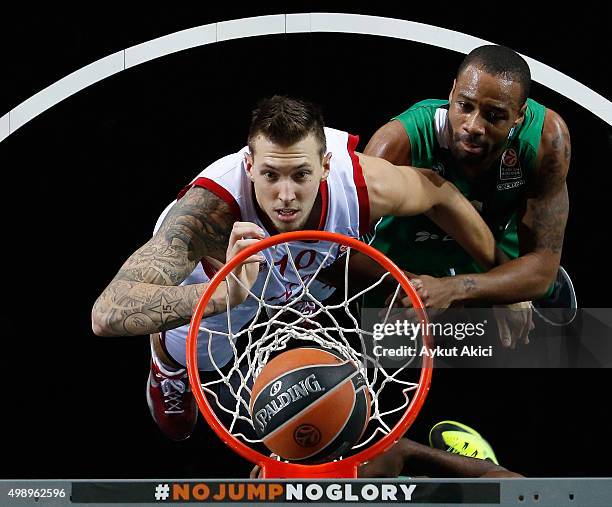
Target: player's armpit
(541, 229)
(144, 297)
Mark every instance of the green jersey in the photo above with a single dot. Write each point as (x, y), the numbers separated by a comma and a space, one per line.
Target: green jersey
(416, 243)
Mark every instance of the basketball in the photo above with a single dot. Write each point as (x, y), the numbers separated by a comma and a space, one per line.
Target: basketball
(310, 405)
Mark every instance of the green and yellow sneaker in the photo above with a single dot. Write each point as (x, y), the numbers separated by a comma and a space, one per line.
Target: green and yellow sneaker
(458, 438)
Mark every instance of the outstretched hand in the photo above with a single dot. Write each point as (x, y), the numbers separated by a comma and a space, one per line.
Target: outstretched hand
(436, 293)
(243, 234)
(433, 294)
(514, 323)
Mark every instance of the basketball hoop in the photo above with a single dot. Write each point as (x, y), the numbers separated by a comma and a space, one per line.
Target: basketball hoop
(288, 321)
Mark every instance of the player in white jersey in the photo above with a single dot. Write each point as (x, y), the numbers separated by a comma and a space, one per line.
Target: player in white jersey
(293, 175)
(344, 209)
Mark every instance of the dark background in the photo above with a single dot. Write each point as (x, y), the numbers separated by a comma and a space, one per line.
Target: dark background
(85, 181)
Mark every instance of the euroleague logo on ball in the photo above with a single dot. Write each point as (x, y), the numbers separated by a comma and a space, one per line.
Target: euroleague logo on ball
(307, 435)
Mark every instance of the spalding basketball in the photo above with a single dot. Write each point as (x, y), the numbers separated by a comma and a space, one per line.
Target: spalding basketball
(310, 405)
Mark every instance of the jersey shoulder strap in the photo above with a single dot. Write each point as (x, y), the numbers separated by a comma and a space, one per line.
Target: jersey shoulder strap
(527, 136)
(423, 123)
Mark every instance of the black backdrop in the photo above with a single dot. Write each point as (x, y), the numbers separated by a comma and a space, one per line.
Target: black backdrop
(85, 181)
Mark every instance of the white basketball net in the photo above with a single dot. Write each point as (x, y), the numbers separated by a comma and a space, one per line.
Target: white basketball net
(254, 345)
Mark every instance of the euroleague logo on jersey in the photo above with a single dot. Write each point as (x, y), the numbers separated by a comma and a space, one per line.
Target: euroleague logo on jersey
(510, 170)
(509, 158)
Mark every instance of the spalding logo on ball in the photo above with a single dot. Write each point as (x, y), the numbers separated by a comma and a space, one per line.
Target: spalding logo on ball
(310, 405)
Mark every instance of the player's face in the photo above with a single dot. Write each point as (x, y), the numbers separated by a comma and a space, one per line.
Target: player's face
(286, 179)
(482, 110)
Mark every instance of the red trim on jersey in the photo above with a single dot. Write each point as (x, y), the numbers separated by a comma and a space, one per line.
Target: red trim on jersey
(324, 204)
(216, 189)
(208, 268)
(162, 342)
(360, 186)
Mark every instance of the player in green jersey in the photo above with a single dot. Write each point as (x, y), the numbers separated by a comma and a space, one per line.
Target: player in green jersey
(509, 156)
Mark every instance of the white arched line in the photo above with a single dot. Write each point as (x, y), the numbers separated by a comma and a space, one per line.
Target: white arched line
(281, 24)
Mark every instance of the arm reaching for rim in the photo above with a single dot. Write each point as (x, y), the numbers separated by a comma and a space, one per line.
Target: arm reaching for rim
(542, 221)
(541, 229)
(406, 191)
(144, 297)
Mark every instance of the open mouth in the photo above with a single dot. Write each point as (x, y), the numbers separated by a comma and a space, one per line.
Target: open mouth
(286, 214)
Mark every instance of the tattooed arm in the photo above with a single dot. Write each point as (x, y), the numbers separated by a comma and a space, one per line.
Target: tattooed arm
(541, 231)
(144, 297)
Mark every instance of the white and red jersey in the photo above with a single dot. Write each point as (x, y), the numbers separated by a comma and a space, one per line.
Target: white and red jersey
(344, 210)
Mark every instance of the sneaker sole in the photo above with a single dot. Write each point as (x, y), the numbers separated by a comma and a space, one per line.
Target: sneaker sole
(436, 438)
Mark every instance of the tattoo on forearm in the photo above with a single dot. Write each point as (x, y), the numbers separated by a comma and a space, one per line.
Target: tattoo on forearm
(129, 308)
(144, 295)
(549, 209)
(548, 222)
(469, 284)
(157, 263)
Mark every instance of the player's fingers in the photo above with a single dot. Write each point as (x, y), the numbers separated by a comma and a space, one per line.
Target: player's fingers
(242, 230)
(406, 302)
(525, 316)
(247, 229)
(241, 244)
(420, 289)
(530, 326)
(254, 258)
(403, 300)
(417, 284)
(255, 472)
(424, 295)
(505, 334)
(531, 322)
(236, 243)
(523, 338)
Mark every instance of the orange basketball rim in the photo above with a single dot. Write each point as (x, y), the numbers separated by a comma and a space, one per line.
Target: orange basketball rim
(343, 468)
